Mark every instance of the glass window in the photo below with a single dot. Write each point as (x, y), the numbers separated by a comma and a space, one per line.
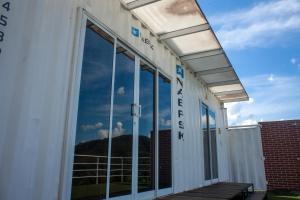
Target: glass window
(164, 132)
(208, 124)
(214, 153)
(206, 142)
(146, 166)
(122, 132)
(91, 146)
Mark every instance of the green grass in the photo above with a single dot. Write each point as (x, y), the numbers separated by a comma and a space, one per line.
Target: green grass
(283, 196)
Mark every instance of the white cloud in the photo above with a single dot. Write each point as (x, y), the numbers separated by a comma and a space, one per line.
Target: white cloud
(118, 130)
(258, 26)
(251, 100)
(293, 61)
(121, 91)
(103, 133)
(272, 100)
(89, 127)
(249, 122)
(271, 77)
(165, 122)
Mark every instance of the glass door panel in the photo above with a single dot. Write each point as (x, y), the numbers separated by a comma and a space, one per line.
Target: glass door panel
(149, 127)
(164, 133)
(206, 142)
(91, 145)
(122, 124)
(146, 149)
(213, 134)
(208, 119)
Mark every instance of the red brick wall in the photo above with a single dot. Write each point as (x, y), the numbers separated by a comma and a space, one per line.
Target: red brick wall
(281, 146)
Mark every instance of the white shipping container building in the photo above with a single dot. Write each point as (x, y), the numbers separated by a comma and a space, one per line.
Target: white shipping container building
(117, 99)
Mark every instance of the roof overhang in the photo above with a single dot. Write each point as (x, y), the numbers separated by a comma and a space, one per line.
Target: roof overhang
(182, 25)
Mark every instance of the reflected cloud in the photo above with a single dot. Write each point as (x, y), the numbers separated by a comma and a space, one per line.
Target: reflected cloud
(121, 91)
(89, 127)
(165, 122)
(118, 130)
(103, 133)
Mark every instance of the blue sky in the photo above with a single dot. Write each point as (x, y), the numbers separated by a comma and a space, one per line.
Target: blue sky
(262, 41)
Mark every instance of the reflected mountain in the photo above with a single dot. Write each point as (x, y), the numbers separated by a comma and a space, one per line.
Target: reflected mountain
(121, 144)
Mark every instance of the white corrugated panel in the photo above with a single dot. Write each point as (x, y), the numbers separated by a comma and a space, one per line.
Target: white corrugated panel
(246, 155)
(206, 63)
(189, 162)
(225, 88)
(171, 15)
(37, 65)
(193, 43)
(225, 76)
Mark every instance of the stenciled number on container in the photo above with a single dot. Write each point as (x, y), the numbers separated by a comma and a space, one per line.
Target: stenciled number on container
(3, 20)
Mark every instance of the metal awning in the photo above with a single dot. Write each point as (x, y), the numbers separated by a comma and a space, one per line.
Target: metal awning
(182, 25)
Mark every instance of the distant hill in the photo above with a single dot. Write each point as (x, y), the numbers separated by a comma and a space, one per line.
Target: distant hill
(120, 145)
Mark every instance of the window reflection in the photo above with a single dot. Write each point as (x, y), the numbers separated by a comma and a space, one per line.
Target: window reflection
(93, 122)
(164, 132)
(213, 133)
(146, 166)
(121, 146)
(91, 146)
(208, 119)
(206, 142)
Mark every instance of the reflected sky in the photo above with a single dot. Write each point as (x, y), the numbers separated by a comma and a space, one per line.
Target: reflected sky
(124, 93)
(95, 94)
(164, 103)
(95, 88)
(164, 133)
(212, 119)
(146, 101)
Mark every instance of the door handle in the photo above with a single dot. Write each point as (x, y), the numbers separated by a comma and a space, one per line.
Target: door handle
(132, 109)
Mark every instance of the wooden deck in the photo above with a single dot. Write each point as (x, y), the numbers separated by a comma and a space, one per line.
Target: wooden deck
(219, 191)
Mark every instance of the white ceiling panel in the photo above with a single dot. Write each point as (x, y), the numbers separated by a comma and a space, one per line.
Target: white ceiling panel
(183, 27)
(170, 15)
(217, 77)
(207, 63)
(193, 43)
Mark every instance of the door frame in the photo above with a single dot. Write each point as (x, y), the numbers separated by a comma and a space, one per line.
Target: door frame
(216, 180)
(65, 184)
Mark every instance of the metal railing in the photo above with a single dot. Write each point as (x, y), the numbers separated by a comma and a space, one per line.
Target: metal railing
(95, 167)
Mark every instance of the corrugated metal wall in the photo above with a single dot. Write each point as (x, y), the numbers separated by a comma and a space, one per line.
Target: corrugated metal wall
(37, 65)
(189, 160)
(247, 160)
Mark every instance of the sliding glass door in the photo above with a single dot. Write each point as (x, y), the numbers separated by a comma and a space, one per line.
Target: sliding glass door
(147, 139)
(123, 129)
(122, 124)
(164, 133)
(93, 119)
(208, 124)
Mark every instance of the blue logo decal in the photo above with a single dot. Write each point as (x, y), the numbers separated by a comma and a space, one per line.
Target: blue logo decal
(135, 32)
(179, 71)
